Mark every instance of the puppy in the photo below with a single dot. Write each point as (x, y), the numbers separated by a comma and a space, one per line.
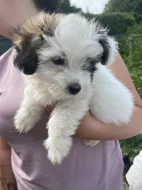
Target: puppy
(64, 58)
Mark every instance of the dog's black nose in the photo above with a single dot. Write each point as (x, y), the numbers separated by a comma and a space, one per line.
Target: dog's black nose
(74, 88)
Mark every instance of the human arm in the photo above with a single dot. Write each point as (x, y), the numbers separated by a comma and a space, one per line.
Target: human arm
(7, 179)
(93, 129)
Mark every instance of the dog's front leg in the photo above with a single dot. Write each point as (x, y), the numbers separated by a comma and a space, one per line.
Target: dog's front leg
(62, 125)
(29, 112)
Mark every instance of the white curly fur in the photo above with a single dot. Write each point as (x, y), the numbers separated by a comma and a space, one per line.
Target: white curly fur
(106, 97)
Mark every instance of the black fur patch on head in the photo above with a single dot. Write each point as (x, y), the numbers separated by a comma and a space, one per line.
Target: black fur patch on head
(90, 66)
(26, 59)
(106, 50)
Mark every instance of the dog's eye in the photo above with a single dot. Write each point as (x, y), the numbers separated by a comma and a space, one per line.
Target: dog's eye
(58, 61)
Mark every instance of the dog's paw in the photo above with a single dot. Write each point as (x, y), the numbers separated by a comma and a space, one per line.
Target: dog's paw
(58, 148)
(91, 143)
(23, 123)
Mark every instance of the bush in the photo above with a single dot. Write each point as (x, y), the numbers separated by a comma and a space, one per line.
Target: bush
(116, 22)
(133, 146)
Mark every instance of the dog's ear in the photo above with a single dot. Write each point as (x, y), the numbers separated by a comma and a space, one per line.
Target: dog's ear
(26, 59)
(27, 47)
(109, 46)
(106, 50)
(28, 38)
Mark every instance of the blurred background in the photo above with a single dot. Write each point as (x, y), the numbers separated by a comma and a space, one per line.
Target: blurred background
(124, 19)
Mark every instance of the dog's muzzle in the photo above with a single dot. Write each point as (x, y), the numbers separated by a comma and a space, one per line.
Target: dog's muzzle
(74, 88)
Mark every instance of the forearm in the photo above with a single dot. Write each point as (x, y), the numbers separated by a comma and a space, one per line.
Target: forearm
(93, 129)
(7, 180)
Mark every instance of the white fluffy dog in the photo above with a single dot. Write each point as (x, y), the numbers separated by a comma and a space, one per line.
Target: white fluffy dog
(65, 58)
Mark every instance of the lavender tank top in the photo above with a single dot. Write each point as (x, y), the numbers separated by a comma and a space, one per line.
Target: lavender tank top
(86, 168)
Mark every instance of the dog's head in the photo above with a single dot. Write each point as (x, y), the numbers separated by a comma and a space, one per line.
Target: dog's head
(62, 49)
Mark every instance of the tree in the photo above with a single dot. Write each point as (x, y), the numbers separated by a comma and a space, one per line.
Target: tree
(66, 7)
(117, 23)
(131, 6)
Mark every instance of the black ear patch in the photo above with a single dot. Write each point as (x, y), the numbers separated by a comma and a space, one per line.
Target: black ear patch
(27, 62)
(106, 50)
(26, 59)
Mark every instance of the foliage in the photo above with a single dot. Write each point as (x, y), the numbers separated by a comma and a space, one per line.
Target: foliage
(66, 7)
(116, 22)
(131, 6)
(133, 145)
(126, 20)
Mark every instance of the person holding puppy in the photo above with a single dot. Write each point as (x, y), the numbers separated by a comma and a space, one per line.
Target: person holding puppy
(23, 159)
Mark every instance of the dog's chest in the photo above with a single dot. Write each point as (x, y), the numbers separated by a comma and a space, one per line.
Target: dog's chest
(39, 91)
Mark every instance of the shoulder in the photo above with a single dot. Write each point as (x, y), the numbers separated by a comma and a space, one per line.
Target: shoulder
(11, 91)
(7, 54)
(7, 59)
